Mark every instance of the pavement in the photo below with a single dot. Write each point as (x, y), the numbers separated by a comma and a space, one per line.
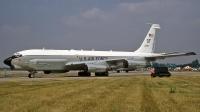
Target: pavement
(73, 76)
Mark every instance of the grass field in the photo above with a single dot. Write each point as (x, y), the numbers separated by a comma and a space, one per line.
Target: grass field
(103, 95)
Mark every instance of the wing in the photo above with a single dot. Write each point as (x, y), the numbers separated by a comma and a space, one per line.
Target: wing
(80, 65)
(168, 55)
(114, 61)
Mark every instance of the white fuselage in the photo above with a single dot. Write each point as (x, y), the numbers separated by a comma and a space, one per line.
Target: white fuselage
(74, 56)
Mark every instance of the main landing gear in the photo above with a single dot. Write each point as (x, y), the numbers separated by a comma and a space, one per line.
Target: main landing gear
(96, 74)
(32, 74)
(84, 74)
(101, 74)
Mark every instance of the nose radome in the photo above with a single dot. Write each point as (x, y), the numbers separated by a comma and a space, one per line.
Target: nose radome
(8, 61)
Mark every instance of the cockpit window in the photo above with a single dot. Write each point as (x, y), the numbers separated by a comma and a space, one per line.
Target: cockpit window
(17, 55)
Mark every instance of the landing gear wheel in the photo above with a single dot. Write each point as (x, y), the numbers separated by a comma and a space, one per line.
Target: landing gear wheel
(79, 74)
(97, 74)
(88, 74)
(31, 75)
(84, 74)
(101, 74)
(106, 74)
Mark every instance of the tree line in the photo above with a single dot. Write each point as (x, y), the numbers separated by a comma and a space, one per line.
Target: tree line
(193, 64)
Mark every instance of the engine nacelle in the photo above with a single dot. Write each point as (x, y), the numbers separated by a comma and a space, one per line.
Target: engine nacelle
(95, 68)
(134, 64)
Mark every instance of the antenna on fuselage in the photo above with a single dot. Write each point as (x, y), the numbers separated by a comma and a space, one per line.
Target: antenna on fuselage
(44, 48)
(149, 23)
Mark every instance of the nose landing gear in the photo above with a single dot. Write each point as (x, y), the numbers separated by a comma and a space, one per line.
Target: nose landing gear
(32, 74)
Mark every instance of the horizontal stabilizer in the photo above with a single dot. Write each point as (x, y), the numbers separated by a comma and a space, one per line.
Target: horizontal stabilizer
(168, 55)
(190, 53)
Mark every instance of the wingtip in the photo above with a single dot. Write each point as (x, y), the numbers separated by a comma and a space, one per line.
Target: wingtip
(191, 53)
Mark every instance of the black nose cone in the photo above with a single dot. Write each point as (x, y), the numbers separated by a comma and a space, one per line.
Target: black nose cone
(8, 61)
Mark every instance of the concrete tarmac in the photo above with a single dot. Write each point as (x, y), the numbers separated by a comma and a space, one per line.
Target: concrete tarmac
(73, 76)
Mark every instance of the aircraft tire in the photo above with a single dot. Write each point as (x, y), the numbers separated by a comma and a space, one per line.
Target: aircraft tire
(80, 73)
(88, 74)
(84, 74)
(96, 74)
(31, 75)
(101, 74)
(106, 74)
(47, 72)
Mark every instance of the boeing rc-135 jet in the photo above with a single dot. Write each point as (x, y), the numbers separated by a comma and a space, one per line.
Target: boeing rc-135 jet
(99, 62)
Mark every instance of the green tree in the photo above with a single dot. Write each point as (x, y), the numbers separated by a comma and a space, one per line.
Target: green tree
(195, 63)
(154, 64)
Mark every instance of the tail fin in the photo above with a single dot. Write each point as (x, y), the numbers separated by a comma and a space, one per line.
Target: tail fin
(148, 44)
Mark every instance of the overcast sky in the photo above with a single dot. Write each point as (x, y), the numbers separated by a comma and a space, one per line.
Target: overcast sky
(117, 25)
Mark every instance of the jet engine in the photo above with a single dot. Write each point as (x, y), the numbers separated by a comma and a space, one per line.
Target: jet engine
(95, 68)
(131, 64)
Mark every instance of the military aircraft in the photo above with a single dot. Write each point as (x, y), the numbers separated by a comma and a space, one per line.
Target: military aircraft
(99, 62)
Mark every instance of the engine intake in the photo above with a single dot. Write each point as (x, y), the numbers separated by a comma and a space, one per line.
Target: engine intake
(125, 64)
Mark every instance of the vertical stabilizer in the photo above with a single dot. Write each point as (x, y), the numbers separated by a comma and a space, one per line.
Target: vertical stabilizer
(148, 44)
